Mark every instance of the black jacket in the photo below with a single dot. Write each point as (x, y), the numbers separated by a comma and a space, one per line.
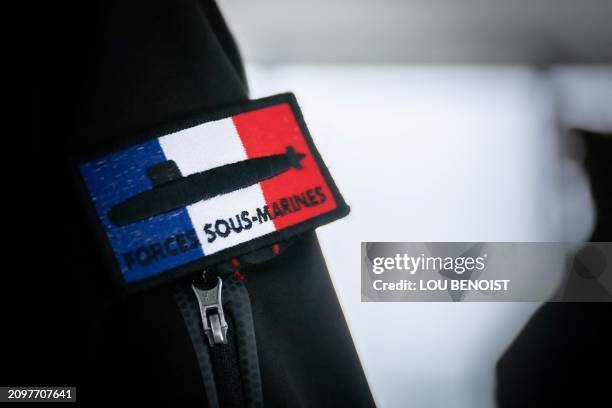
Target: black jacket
(113, 69)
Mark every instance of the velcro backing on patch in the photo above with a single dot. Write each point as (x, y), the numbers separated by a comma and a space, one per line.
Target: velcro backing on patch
(201, 191)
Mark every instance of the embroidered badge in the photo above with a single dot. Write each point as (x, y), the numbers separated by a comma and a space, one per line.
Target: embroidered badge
(213, 188)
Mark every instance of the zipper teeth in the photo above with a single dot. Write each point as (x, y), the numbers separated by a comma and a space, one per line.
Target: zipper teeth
(237, 306)
(191, 315)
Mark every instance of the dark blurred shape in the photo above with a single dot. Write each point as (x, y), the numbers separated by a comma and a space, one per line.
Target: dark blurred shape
(563, 356)
(598, 164)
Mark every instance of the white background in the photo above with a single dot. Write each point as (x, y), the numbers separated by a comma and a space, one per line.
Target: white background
(438, 152)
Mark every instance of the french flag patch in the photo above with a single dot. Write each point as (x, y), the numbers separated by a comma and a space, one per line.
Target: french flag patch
(202, 191)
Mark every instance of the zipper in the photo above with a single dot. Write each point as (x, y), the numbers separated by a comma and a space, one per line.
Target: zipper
(217, 312)
(223, 354)
(211, 310)
(218, 317)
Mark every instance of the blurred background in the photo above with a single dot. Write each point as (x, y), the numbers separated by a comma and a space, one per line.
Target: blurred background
(441, 120)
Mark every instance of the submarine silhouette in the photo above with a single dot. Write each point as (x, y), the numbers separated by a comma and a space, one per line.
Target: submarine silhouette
(172, 191)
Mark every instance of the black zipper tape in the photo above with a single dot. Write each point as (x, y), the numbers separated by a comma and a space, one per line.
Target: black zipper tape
(230, 372)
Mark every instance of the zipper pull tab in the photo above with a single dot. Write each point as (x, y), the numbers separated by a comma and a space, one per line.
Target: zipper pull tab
(211, 310)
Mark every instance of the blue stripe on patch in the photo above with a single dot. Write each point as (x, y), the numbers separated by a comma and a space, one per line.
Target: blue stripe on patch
(147, 247)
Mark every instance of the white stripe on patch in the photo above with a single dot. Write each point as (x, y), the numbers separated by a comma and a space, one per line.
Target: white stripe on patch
(202, 148)
(226, 207)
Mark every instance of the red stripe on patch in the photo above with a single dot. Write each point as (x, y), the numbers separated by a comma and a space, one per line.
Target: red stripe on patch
(269, 131)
